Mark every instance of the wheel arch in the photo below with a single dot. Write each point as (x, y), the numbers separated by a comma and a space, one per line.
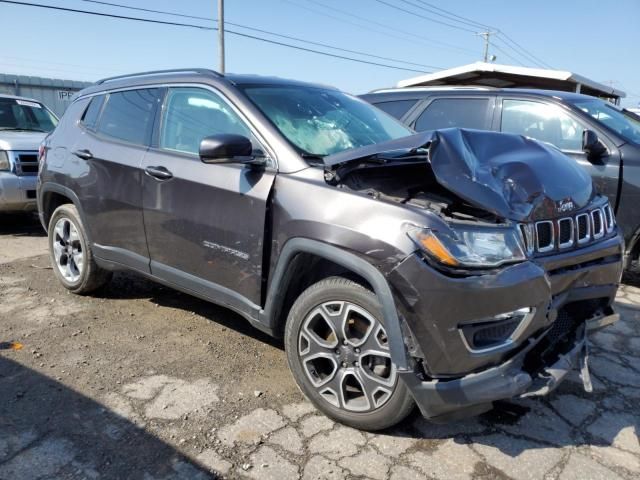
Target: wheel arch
(294, 259)
(51, 196)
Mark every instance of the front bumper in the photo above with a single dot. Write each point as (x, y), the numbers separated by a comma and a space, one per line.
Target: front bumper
(17, 193)
(451, 377)
(475, 393)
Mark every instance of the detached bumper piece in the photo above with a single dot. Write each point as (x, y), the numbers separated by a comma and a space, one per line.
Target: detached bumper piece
(536, 370)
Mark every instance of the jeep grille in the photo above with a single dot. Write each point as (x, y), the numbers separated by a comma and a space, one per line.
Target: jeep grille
(568, 232)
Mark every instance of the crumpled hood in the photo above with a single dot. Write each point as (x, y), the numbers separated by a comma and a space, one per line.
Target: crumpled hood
(10, 140)
(512, 176)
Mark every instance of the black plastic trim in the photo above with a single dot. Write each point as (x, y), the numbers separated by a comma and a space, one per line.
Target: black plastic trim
(353, 263)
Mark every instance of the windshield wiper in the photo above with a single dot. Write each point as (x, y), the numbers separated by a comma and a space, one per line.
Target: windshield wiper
(313, 158)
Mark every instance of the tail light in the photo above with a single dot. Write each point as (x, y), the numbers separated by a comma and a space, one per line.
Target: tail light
(42, 154)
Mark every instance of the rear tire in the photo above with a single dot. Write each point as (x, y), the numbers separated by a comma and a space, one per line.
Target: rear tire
(339, 355)
(71, 256)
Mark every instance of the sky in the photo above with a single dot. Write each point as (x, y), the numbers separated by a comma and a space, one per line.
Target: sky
(596, 39)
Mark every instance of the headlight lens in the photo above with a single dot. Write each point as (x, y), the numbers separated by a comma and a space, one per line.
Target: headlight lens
(473, 247)
(4, 161)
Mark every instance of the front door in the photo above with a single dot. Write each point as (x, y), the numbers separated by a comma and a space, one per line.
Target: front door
(204, 222)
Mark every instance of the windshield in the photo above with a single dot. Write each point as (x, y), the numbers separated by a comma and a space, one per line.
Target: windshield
(625, 124)
(18, 114)
(323, 122)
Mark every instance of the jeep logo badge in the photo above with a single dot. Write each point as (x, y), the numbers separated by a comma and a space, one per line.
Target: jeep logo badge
(565, 206)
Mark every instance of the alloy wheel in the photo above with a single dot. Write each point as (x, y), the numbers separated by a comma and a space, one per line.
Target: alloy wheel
(67, 250)
(345, 354)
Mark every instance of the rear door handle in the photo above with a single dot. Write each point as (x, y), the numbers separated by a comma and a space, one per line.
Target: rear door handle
(84, 154)
(160, 173)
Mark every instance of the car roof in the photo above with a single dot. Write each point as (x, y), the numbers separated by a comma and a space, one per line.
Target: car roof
(18, 97)
(425, 92)
(189, 75)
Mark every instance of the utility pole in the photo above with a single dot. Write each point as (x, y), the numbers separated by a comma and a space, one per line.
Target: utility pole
(486, 35)
(221, 34)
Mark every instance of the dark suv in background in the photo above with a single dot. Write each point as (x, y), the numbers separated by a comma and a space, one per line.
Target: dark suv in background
(447, 269)
(609, 150)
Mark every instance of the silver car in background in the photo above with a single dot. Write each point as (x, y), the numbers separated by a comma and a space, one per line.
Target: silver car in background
(23, 125)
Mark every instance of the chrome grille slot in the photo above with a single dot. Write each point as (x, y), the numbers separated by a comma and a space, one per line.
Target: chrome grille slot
(583, 228)
(544, 236)
(526, 230)
(565, 232)
(608, 218)
(597, 224)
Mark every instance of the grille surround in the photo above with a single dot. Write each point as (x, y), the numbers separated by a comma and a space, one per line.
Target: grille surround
(598, 225)
(582, 239)
(549, 243)
(26, 163)
(610, 221)
(569, 243)
(564, 233)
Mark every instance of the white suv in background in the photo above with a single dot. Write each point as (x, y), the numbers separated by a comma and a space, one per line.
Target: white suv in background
(23, 125)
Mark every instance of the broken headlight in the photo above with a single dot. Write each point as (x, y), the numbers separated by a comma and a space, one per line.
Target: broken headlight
(470, 246)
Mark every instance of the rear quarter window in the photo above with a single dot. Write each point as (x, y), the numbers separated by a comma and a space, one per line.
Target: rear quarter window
(90, 116)
(454, 113)
(128, 115)
(396, 108)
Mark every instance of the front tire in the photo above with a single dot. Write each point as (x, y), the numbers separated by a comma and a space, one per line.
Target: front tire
(71, 257)
(339, 355)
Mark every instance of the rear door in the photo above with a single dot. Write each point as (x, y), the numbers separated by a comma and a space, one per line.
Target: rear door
(472, 111)
(204, 222)
(559, 126)
(107, 154)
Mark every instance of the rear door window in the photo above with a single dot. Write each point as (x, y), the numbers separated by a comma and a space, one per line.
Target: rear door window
(454, 113)
(546, 122)
(396, 108)
(128, 115)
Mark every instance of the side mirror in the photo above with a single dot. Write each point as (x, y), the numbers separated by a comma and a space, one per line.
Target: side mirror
(226, 148)
(591, 145)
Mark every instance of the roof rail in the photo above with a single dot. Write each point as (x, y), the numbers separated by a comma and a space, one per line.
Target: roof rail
(426, 88)
(203, 71)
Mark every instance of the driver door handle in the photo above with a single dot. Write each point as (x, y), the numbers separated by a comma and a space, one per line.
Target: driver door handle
(84, 154)
(159, 173)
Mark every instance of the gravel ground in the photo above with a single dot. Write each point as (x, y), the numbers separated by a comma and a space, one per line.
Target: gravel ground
(141, 381)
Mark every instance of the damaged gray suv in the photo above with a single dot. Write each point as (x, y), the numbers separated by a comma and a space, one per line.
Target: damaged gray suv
(447, 269)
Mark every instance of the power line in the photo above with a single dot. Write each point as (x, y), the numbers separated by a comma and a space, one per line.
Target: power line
(524, 51)
(149, 10)
(240, 34)
(289, 37)
(379, 24)
(506, 54)
(508, 41)
(422, 16)
(452, 16)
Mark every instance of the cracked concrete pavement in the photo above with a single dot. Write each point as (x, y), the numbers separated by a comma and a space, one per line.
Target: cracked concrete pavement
(144, 382)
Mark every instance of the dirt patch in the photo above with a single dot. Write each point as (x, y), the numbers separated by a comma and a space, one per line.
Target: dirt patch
(22, 237)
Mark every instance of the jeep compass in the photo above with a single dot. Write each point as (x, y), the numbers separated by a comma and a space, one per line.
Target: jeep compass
(447, 269)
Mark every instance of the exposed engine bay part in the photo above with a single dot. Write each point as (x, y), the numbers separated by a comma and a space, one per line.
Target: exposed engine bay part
(509, 176)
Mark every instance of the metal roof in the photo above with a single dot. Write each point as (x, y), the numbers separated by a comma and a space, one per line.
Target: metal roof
(26, 80)
(504, 76)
